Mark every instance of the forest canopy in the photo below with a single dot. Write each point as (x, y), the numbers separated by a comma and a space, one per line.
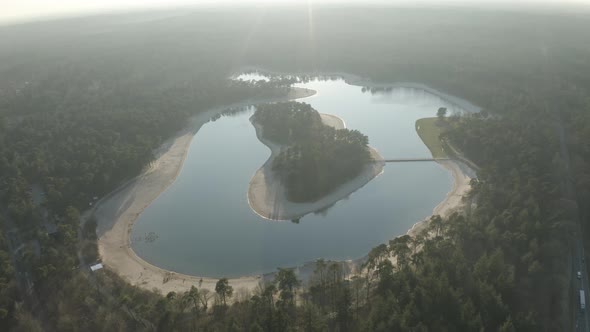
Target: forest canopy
(84, 101)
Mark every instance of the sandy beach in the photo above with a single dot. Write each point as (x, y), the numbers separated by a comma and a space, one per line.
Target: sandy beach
(116, 213)
(453, 201)
(267, 195)
(462, 173)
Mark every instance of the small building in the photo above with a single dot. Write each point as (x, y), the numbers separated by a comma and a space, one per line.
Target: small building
(96, 267)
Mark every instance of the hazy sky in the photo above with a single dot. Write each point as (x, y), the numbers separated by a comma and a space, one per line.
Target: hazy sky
(18, 10)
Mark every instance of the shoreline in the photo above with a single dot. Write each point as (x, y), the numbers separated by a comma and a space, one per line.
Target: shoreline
(267, 196)
(452, 201)
(356, 80)
(461, 178)
(117, 211)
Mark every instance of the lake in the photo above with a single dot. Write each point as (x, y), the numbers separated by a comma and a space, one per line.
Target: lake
(202, 224)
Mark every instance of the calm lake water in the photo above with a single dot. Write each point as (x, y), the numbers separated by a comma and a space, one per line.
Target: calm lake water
(202, 224)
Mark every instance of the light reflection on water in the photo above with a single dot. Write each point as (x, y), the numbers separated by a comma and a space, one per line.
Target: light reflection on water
(204, 225)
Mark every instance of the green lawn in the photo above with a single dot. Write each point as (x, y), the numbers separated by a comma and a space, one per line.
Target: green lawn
(429, 131)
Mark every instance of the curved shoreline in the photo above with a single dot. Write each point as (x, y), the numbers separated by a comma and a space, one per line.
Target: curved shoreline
(461, 178)
(267, 196)
(356, 80)
(453, 199)
(117, 212)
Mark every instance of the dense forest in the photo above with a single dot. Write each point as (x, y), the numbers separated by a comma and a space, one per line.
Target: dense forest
(62, 146)
(85, 101)
(317, 158)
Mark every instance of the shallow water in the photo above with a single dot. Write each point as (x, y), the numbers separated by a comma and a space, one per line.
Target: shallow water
(203, 225)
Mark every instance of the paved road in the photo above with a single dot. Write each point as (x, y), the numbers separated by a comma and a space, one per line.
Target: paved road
(578, 260)
(583, 314)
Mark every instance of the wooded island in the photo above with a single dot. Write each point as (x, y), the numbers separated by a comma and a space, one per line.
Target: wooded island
(315, 158)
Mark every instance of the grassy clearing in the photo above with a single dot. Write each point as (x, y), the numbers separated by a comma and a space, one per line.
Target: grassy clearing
(429, 131)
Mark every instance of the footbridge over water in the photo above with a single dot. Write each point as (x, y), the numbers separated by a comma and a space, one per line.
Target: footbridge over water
(408, 160)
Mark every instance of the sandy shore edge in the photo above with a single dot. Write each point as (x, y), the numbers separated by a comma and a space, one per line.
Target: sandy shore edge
(116, 212)
(267, 196)
(461, 179)
(454, 199)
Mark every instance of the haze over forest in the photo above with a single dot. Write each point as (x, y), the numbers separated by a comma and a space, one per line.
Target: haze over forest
(128, 160)
(27, 10)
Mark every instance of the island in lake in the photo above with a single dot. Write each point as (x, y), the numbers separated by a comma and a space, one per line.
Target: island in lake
(315, 161)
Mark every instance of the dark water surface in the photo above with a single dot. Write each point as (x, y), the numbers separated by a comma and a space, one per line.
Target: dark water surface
(203, 225)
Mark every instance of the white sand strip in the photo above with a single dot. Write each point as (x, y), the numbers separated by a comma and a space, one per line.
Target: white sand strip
(453, 201)
(116, 213)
